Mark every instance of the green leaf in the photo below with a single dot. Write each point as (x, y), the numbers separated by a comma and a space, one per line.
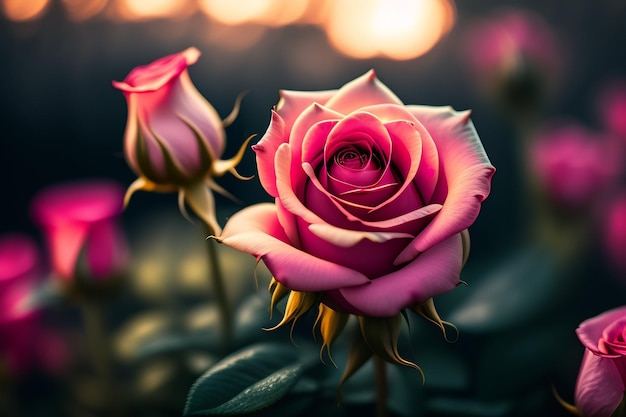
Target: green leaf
(246, 381)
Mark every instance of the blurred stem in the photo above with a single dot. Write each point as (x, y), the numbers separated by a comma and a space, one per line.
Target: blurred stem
(99, 348)
(221, 296)
(381, 386)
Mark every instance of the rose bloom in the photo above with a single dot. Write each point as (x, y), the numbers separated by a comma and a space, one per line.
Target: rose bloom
(372, 198)
(82, 217)
(602, 377)
(174, 137)
(572, 163)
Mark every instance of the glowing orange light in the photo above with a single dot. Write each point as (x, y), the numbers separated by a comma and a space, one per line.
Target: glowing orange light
(22, 10)
(266, 12)
(152, 9)
(80, 10)
(235, 12)
(397, 29)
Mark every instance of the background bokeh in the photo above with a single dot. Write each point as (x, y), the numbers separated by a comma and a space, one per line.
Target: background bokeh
(61, 120)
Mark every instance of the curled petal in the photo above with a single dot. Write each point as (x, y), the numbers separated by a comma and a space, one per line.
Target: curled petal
(465, 177)
(434, 272)
(348, 238)
(265, 151)
(360, 92)
(590, 331)
(257, 231)
(599, 388)
(293, 103)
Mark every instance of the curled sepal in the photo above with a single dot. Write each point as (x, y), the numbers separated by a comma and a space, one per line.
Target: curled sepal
(381, 335)
(569, 407)
(200, 199)
(222, 166)
(298, 303)
(465, 240)
(278, 291)
(235, 111)
(144, 184)
(331, 324)
(429, 312)
(360, 352)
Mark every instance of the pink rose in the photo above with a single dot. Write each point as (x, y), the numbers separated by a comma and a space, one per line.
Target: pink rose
(174, 137)
(173, 134)
(372, 197)
(572, 163)
(82, 216)
(602, 377)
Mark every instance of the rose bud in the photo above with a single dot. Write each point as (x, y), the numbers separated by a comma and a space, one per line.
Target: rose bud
(81, 218)
(602, 376)
(373, 199)
(174, 137)
(572, 164)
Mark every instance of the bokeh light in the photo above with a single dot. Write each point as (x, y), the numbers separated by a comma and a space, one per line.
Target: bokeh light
(397, 29)
(22, 10)
(81, 10)
(152, 9)
(266, 12)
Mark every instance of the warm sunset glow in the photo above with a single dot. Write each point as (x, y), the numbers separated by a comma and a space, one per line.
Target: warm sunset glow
(397, 29)
(266, 12)
(152, 9)
(23, 10)
(80, 10)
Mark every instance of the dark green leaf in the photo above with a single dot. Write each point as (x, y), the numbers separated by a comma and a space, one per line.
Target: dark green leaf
(246, 381)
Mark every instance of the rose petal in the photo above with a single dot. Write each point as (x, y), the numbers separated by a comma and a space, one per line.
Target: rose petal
(599, 388)
(293, 103)
(434, 272)
(347, 238)
(256, 230)
(265, 151)
(105, 248)
(65, 243)
(465, 176)
(360, 92)
(428, 170)
(590, 330)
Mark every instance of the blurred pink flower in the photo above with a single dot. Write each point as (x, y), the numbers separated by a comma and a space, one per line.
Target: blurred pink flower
(19, 323)
(515, 52)
(573, 163)
(611, 106)
(82, 216)
(602, 376)
(615, 232)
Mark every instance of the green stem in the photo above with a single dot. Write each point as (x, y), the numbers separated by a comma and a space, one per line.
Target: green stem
(99, 348)
(382, 388)
(221, 295)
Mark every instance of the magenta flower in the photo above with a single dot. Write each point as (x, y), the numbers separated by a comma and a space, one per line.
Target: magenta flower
(174, 137)
(602, 377)
(19, 265)
(82, 217)
(515, 53)
(572, 163)
(611, 106)
(372, 200)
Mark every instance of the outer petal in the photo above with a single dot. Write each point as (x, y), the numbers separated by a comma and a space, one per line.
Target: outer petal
(590, 330)
(360, 92)
(433, 272)
(292, 103)
(257, 231)
(465, 176)
(599, 388)
(265, 151)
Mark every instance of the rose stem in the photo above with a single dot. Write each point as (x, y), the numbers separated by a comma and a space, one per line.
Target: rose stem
(99, 349)
(220, 294)
(381, 387)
